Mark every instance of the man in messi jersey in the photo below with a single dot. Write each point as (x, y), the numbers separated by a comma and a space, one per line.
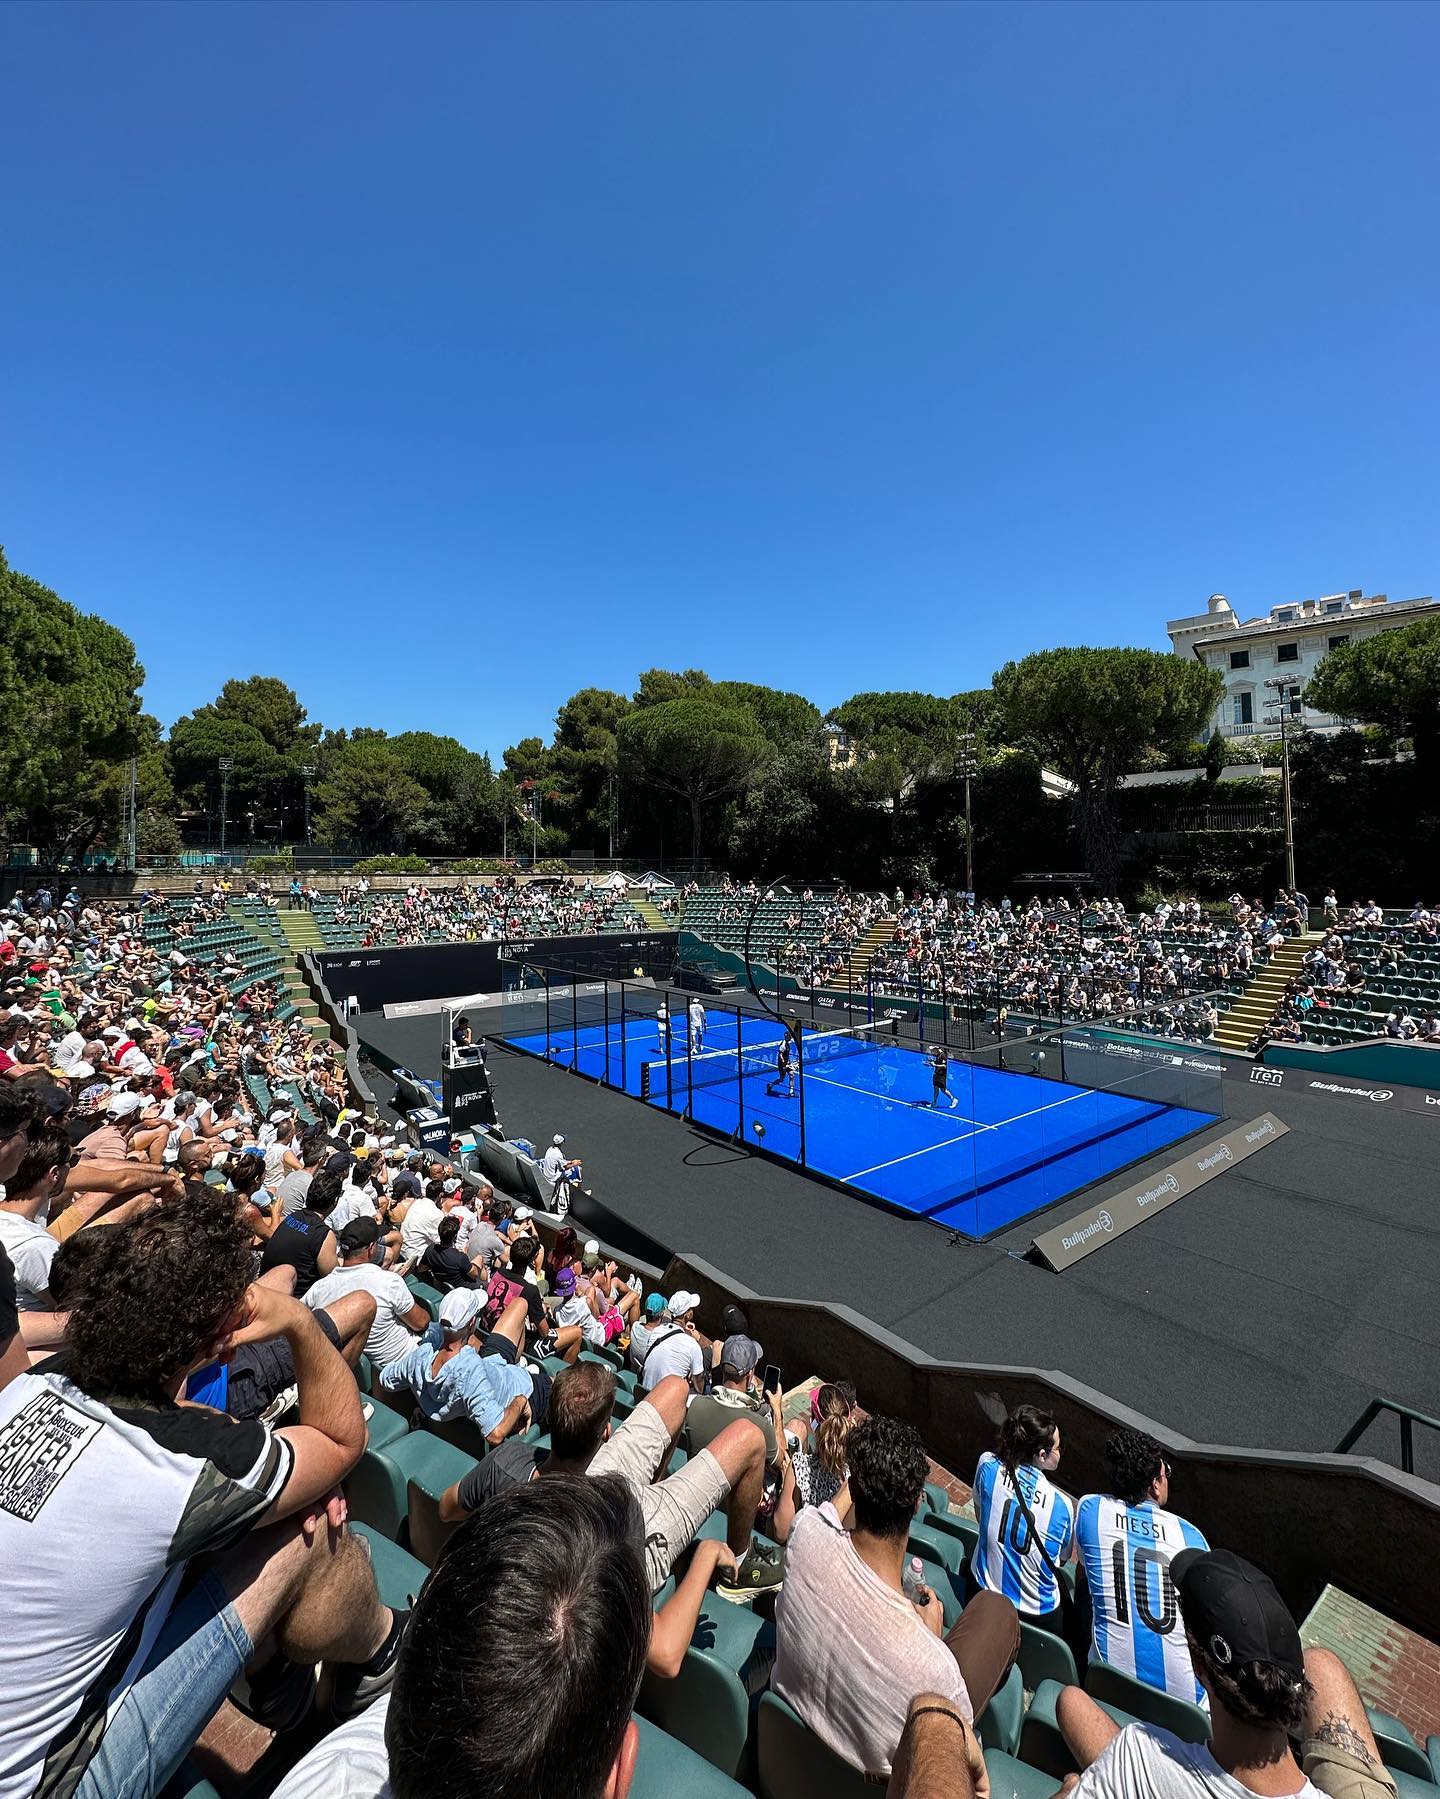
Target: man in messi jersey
(1126, 1539)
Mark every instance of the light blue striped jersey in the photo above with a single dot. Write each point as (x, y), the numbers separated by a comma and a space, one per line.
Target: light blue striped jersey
(1007, 1558)
(1126, 1552)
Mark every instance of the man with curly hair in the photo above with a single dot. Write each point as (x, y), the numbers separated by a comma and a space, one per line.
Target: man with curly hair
(155, 1551)
(1125, 1540)
(855, 1644)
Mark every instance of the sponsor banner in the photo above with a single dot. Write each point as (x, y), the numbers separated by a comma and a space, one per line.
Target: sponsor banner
(385, 977)
(1335, 1086)
(1152, 1052)
(1107, 1219)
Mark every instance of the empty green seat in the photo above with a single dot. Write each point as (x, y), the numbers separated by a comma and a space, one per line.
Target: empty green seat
(1398, 1748)
(430, 1466)
(1043, 1657)
(383, 1426)
(937, 1546)
(792, 1762)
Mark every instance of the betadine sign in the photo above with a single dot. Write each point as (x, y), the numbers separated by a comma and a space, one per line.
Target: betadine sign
(1069, 1242)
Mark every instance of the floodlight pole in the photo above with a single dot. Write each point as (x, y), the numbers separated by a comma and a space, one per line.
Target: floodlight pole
(227, 763)
(967, 768)
(1284, 686)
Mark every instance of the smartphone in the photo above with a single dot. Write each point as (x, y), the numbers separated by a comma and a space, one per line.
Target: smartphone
(771, 1383)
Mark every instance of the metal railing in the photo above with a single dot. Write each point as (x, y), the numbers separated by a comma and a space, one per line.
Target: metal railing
(1408, 1417)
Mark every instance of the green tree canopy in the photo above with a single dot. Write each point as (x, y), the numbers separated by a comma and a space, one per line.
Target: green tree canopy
(1090, 712)
(1391, 679)
(69, 705)
(694, 748)
(369, 798)
(265, 703)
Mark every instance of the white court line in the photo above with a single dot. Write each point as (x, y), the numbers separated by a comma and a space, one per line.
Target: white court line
(1083, 1094)
(929, 1150)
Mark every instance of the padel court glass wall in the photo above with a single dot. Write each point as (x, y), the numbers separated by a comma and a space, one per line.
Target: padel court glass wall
(1016, 1123)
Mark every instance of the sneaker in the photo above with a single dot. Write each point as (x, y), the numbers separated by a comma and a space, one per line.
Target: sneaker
(359, 1684)
(761, 1571)
(278, 1695)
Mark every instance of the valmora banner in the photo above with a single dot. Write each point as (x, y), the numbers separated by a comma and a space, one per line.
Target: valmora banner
(1090, 1230)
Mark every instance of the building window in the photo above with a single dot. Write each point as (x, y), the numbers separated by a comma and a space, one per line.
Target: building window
(1297, 705)
(1287, 652)
(1335, 642)
(1334, 606)
(1242, 708)
(1285, 615)
(1239, 658)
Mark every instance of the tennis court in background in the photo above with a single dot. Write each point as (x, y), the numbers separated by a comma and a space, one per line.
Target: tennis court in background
(1004, 1145)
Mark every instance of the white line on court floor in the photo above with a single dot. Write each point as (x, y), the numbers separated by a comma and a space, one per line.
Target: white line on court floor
(931, 1148)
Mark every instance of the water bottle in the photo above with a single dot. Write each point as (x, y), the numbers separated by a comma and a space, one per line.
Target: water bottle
(913, 1580)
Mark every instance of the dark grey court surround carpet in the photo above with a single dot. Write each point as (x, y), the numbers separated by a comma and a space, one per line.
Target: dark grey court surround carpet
(1267, 1308)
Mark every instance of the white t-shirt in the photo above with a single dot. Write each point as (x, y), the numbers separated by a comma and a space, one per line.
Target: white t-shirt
(1145, 1762)
(679, 1354)
(389, 1339)
(852, 1652)
(351, 1763)
(31, 1249)
(354, 1202)
(168, 1483)
(421, 1227)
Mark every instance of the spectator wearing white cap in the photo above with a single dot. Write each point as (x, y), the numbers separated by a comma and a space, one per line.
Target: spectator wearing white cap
(453, 1373)
(560, 1172)
(674, 1346)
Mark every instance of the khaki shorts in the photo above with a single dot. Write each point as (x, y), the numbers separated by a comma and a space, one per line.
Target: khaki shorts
(677, 1506)
(1343, 1775)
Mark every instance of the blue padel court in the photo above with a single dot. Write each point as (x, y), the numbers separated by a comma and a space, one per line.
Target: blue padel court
(995, 1148)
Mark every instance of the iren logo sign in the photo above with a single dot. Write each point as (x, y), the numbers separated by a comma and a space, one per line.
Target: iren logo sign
(1068, 1242)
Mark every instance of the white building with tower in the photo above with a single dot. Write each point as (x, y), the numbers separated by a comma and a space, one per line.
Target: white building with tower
(1289, 641)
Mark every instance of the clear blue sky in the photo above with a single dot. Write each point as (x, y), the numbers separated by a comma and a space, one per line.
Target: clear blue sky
(446, 359)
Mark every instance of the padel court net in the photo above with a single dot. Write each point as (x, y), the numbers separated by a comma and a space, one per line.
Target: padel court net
(858, 1105)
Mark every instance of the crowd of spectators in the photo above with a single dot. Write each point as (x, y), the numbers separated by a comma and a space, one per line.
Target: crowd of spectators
(1355, 971)
(189, 1281)
(480, 911)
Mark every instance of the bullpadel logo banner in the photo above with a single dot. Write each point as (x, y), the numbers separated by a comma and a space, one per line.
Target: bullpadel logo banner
(1067, 1243)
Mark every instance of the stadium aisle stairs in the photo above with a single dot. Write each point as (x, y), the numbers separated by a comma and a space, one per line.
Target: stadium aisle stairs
(289, 933)
(1255, 1006)
(655, 920)
(869, 946)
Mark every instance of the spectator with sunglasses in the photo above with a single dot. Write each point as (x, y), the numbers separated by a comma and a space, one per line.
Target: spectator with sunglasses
(1126, 1540)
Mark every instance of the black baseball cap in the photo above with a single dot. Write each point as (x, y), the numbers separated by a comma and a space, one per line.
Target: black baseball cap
(1234, 1613)
(360, 1233)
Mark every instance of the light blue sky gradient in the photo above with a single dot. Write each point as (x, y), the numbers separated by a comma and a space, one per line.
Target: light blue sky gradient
(446, 359)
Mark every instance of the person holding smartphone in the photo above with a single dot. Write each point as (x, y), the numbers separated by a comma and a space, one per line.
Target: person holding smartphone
(736, 1389)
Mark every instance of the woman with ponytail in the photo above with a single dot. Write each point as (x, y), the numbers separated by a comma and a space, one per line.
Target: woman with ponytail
(821, 1469)
(1027, 1524)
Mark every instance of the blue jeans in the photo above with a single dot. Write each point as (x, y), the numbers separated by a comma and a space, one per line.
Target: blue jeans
(199, 1654)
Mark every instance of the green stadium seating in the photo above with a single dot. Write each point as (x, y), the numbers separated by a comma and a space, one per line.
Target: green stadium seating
(937, 1546)
(666, 1769)
(397, 1574)
(792, 1762)
(1113, 1688)
(1011, 1779)
(1001, 1720)
(383, 1426)
(1043, 1656)
(429, 1469)
(1398, 1748)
